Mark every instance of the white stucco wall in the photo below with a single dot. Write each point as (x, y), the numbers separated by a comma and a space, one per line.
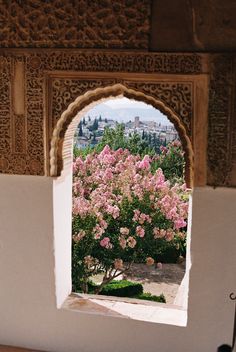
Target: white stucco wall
(28, 308)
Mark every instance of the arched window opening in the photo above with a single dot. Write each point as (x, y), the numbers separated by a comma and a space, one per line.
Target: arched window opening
(130, 204)
(61, 160)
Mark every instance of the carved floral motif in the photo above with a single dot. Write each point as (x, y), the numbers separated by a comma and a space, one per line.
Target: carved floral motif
(177, 96)
(41, 64)
(99, 61)
(5, 104)
(79, 24)
(220, 120)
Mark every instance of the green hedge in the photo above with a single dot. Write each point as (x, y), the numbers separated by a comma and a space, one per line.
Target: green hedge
(122, 288)
(125, 288)
(149, 297)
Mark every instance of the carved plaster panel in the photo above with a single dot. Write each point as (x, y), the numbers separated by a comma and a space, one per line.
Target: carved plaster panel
(5, 101)
(176, 96)
(79, 24)
(220, 120)
(49, 87)
(103, 61)
(173, 99)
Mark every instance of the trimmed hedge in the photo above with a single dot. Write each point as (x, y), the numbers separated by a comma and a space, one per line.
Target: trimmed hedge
(125, 288)
(122, 288)
(149, 297)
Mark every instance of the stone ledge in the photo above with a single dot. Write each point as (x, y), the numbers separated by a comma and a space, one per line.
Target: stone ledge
(127, 308)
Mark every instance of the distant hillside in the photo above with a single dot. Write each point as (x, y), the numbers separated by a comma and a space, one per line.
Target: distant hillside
(126, 114)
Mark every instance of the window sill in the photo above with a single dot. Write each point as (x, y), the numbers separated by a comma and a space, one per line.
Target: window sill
(127, 308)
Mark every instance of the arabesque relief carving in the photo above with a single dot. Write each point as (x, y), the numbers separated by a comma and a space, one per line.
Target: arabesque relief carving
(176, 96)
(22, 137)
(103, 61)
(220, 120)
(72, 90)
(23, 147)
(78, 24)
(5, 101)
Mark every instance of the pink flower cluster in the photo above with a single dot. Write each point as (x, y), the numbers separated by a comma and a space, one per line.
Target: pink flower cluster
(161, 233)
(141, 217)
(105, 242)
(103, 181)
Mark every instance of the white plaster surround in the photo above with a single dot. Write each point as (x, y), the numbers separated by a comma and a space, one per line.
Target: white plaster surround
(33, 209)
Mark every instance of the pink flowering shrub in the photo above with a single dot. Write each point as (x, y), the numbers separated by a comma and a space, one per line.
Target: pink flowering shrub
(121, 209)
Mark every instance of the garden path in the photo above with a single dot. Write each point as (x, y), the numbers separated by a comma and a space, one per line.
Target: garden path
(156, 281)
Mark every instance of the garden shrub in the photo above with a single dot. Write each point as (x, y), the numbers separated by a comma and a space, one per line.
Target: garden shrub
(122, 288)
(121, 211)
(149, 297)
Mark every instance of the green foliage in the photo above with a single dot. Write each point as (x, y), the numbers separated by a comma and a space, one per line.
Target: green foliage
(149, 297)
(171, 161)
(80, 130)
(164, 251)
(122, 288)
(170, 157)
(115, 138)
(94, 126)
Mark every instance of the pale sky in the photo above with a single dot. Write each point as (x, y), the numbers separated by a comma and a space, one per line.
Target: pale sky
(127, 103)
(123, 111)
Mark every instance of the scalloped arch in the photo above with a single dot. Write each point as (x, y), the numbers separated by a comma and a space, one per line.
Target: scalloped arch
(63, 133)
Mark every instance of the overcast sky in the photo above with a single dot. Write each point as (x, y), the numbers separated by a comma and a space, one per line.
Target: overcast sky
(124, 109)
(127, 103)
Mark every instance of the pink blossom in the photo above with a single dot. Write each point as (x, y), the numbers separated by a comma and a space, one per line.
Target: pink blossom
(113, 210)
(105, 242)
(140, 231)
(103, 224)
(98, 231)
(124, 230)
(108, 159)
(159, 265)
(81, 235)
(106, 150)
(176, 143)
(159, 233)
(107, 175)
(131, 242)
(145, 163)
(169, 235)
(144, 217)
(180, 223)
(163, 149)
(81, 206)
(136, 215)
(137, 178)
(88, 260)
(181, 235)
(122, 242)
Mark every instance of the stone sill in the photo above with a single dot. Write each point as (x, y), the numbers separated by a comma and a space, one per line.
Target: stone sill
(127, 308)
